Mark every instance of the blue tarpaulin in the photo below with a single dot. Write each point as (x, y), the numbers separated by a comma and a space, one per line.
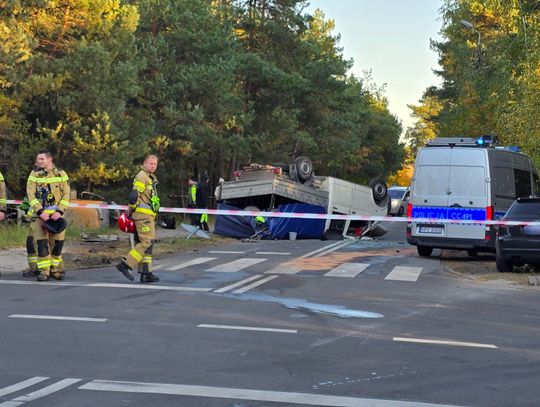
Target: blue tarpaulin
(278, 228)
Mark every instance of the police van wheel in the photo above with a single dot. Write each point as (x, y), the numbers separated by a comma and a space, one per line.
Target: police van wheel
(503, 266)
(424, 251)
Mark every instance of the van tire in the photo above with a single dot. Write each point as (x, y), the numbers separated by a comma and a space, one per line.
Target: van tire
(424, 251)
(379, 190)
(304, 168)
(503, 266)
(400, 211)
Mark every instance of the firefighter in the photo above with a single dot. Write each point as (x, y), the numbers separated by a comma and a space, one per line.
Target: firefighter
(48, 191)
(143, 207)
(3, 200)
(202, 199)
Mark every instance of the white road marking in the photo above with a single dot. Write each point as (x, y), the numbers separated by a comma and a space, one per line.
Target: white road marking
(347, 270)
(450, 343)
(57, 318)
(237, 284)
(190, 263)
(334, 248)
(236, 265)
(287, 398)
(21, 385)
(158, 266)
(53, 388)
(274, 253)
(106, 285)
(253, 285)
(284, 268)
(248, 328)
(320, 249)
(225, 252)
(402, 273)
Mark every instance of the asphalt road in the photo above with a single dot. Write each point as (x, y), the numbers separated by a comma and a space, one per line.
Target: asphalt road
(277, 323)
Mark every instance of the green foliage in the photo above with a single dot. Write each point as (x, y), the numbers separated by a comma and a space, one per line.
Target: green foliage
(492, 92)
(205, 85)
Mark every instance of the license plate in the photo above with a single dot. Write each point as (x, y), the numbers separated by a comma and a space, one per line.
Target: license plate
(431, 229)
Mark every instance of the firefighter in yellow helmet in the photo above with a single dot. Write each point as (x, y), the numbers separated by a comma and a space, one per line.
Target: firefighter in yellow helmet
(2, 197)
(48, 191)
(143, 208)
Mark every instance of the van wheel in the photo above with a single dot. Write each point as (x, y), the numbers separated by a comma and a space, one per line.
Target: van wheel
(424, 251)
(472, 253)
(379, 190)
(503, 266)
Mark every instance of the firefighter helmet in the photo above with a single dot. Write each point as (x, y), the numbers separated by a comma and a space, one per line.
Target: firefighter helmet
(126, 224)
(55, 226)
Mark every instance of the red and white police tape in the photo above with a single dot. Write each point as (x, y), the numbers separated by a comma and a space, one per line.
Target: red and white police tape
(303, 215)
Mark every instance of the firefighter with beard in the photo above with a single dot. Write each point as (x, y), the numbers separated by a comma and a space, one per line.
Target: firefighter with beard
(48, 192)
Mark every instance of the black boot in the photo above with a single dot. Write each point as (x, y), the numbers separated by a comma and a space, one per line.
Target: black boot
(30, 273)
(124, 269)
(42, 277)
(149, 278)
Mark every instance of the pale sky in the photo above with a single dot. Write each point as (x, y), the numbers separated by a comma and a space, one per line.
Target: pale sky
(390, 38)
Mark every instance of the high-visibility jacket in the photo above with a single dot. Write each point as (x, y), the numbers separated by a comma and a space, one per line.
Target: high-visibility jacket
(143, 193)
(48, 191)
(192, 196)
(2, 193)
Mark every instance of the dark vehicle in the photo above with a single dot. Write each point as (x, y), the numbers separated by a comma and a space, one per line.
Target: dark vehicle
(518, 245)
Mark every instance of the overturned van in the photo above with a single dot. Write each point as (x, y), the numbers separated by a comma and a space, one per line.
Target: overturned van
(465, 179)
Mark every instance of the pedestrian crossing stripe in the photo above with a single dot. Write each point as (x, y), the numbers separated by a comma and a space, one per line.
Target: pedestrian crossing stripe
(343, 270)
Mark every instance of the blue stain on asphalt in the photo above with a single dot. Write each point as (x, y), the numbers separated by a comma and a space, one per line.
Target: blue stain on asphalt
(294, 303)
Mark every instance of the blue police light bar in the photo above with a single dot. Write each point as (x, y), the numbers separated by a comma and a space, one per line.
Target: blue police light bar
(488, 141)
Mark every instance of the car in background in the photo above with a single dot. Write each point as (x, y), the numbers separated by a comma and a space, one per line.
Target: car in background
(398, 200)
(518, 245)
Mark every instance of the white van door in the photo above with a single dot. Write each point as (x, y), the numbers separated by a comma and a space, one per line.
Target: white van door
(430, 190)
(468, 195)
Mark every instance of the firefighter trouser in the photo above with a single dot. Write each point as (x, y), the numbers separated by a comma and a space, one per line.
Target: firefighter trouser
(49, 248)
(31, 250)
(140, 256)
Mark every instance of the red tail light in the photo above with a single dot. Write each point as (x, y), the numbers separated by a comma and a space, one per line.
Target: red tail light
(277, 170)
(237, 174)
(489, 213)
(409, 210)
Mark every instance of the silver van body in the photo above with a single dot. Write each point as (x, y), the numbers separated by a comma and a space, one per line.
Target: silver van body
(458, 179)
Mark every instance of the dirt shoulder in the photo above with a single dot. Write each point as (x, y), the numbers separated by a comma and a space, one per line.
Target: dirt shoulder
(482, 268)
(99, 252)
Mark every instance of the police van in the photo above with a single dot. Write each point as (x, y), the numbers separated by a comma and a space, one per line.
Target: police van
(465, 179)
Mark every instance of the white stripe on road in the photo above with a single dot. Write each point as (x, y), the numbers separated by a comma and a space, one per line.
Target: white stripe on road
(274, 253)
(334, 248)
(287, 398)
(248, 328)
(450, 343)
(190, 263)
(238, 284)
(236, 265)
(402, 273)
(22, 385)
(53, 388)
(107, 285)
(347, 270)
(225, 252)
(158, 266)
(284, 268)
(57, 318)
(253, 285)
(320, 249)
